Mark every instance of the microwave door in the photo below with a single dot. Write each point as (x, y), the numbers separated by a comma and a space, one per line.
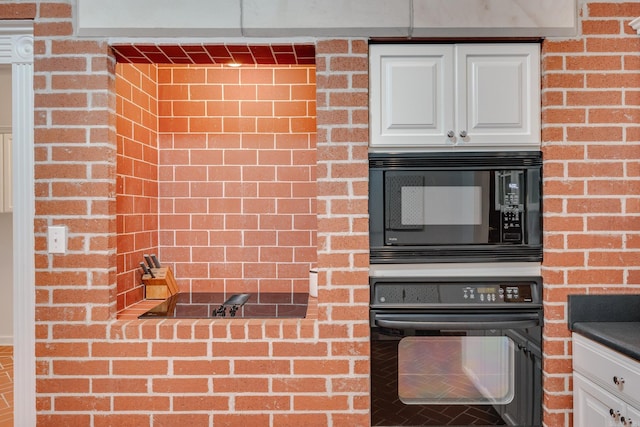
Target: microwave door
(405, 203)
(437, 208)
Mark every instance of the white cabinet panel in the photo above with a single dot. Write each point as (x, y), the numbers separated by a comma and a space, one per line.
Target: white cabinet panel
(633, 416)
(604, 385)
(619, 373)
(466, 95)
(593, 405)
(501, 101)
(411, 89)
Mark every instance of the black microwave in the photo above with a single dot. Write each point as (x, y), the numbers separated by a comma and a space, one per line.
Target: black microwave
(455, 207)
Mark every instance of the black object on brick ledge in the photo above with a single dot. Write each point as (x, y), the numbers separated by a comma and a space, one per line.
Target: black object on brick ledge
(205, 305)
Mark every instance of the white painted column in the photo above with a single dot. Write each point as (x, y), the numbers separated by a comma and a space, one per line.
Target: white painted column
(16, 48)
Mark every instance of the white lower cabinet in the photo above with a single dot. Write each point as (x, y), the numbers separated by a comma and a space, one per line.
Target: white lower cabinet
(603, 386)
(633, 416)
(6, 174)
(595, 407)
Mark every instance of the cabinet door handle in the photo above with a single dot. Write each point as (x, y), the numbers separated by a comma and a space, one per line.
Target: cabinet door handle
(463, 134)
(618, 381)
(451, 134)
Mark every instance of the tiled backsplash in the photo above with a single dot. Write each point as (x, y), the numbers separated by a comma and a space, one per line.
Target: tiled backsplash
(236, 171)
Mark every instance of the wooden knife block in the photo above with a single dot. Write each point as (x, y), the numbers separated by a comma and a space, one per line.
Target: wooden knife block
(162, 286)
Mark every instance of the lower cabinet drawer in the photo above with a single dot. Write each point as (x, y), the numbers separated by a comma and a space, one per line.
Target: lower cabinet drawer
(595, 407)
(612, 370)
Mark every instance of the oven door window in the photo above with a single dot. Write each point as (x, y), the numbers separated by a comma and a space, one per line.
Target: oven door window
(453, 370)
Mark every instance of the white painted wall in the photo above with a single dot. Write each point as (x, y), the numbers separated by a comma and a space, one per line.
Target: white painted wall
(5, 98)
(6, 224)
(6, 283)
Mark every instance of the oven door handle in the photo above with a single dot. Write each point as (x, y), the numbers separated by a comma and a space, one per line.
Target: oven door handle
(432, 322)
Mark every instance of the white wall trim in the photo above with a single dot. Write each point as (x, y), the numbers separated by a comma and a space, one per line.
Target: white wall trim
(635, 24)
(16, 48)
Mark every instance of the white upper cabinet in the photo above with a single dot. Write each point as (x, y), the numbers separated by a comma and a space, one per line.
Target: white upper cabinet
(6, 196)
(411, 88)
(439, 96)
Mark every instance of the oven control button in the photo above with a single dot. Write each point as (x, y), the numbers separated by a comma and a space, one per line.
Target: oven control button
(383, 299)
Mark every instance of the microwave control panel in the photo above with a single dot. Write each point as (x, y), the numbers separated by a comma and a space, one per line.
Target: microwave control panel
(511, 208)
(511, 223)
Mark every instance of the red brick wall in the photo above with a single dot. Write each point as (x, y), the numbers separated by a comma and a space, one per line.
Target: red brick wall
(591, 133)
(137, 176)
(237, 176)
(93, 369)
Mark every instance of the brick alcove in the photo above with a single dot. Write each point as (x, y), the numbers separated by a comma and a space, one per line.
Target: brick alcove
(216, 166)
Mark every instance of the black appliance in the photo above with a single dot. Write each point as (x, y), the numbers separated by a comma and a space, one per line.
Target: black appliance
(455, 207)
(456, 351)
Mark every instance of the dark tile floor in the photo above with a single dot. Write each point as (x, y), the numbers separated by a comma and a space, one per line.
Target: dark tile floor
(388, 410)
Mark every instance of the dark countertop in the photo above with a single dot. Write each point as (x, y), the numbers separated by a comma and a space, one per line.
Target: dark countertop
(623, 337)
(611, 320)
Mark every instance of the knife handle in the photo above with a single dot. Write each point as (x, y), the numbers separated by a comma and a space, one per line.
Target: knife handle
(144, 268)
(154, 258)
(148, 259)
(147, 270)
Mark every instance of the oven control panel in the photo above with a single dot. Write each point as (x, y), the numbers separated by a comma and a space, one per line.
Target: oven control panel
(497, 293)
(417, 293)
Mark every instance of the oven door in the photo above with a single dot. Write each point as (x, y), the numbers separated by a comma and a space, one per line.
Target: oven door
(453, 368)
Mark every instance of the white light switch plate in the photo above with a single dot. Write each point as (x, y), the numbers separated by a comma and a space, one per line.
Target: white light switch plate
(57, 239)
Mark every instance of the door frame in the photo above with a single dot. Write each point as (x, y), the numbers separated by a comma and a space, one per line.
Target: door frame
(16, 48)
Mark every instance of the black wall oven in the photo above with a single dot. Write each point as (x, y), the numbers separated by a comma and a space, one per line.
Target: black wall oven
(455, 207)
(456, 350)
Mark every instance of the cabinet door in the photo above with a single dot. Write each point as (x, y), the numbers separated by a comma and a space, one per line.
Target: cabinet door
(592, 405)
(7, 174)
(411, 95)
(498, 94)
(633, 416)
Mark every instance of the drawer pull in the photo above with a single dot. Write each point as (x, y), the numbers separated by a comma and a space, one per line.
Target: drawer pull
(618, 381)
(614, 414)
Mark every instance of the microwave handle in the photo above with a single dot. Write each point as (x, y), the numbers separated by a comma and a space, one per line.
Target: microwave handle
(432, 322)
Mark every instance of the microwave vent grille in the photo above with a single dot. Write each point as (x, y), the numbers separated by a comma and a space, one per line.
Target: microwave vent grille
(449, 161)
(504, 254)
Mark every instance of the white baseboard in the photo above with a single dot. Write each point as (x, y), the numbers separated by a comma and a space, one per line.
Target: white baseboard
(6, 340)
